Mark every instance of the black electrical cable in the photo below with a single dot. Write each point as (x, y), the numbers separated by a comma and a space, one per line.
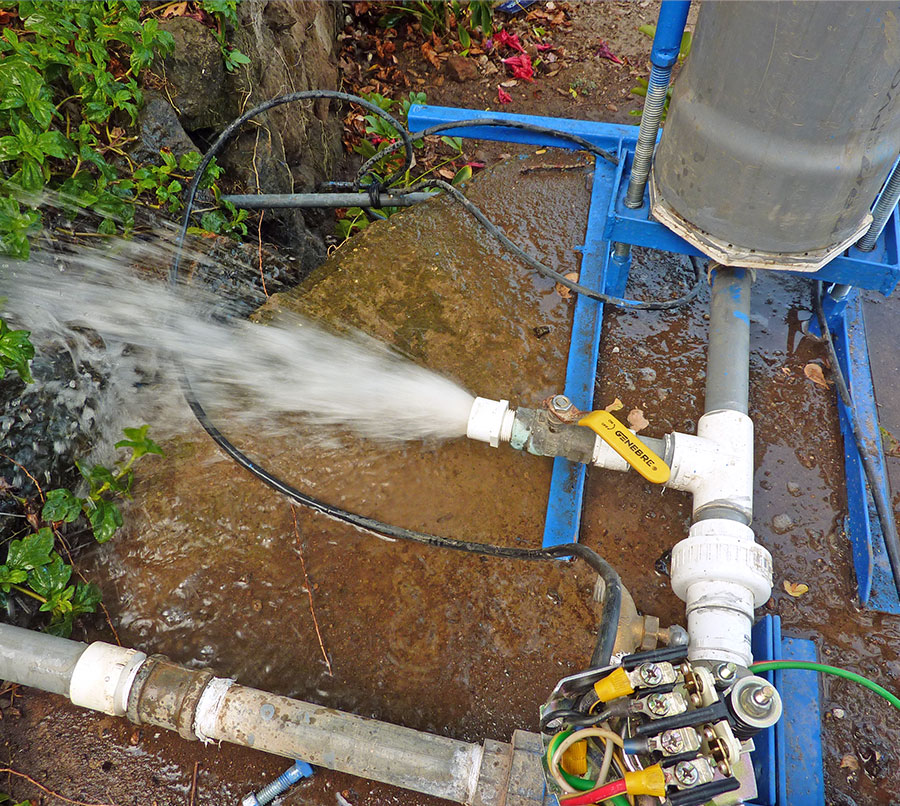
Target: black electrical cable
(572, 718)
(612, 601)
(585, 145)
(546, 271)
(882, 504)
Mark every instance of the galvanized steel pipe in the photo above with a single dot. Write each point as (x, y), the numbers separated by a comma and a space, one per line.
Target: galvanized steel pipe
(265, 201)
(422, 762)
(154, 691)
(728, 355)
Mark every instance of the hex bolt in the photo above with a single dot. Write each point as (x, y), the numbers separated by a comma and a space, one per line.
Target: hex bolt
(763, 696)
(726, 671)
(561, 403)
(686, 773)
(672, 742)
(657, 704)
(651, 674)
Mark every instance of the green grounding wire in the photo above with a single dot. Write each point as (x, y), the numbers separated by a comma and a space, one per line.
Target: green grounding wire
(822, 668)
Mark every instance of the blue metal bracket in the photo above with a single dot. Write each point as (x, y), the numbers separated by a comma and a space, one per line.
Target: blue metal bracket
(788, 757)
(873, 572)
(610, 221)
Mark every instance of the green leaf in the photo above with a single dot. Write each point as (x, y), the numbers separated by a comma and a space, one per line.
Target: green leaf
(55, 144)
(106, 518)
(10, 148)
(233, 58)
(11, 576)
(32, 551)
(464, 174)
(30, 175)
(87, 597)
(139, 442)
(189, 161)
(16, 351)
(62, 505)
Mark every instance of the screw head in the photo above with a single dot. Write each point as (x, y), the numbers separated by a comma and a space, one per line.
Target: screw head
(686, 773)
(651, 674)
(672, 742)
(657, 705)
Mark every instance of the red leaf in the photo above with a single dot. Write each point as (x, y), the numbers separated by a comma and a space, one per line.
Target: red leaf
(604, 52)
(503, 96)
(543, 47)
(520, 66)
(503, 38)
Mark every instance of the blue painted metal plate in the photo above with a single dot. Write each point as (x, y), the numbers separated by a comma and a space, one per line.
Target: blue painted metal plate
(788, 758)
(873, 572)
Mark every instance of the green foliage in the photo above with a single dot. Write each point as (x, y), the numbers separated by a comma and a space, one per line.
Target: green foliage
(225, 11)
(16, 352)
(68, 90)
(434, 16)
(641, 89)
(380, 133)
(34, 568)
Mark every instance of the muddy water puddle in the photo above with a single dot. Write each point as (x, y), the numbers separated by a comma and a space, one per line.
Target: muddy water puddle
(210, 572)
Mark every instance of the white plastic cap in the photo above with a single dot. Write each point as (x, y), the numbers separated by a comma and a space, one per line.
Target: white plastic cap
(490, 421)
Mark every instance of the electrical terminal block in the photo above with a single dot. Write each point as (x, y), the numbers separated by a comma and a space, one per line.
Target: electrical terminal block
(659, 704)
(688, 774)
(675, 742)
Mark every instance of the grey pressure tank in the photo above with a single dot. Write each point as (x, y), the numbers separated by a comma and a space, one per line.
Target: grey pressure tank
(783, 126)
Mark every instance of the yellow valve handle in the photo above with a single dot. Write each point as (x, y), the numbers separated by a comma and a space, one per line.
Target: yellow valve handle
(627, 445)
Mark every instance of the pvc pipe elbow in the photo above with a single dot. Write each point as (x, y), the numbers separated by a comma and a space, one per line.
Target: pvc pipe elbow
(490, 421)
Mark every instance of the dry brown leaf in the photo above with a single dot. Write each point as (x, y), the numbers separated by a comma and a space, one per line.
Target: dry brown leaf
(815, 374)
(175, 10)
(562, 290)
(796, 589)
(615, 405)
(785, 370)
(511, 83)
(850, 762)
(636, 420)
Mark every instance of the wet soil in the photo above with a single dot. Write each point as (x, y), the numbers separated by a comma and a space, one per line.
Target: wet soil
(209, 573)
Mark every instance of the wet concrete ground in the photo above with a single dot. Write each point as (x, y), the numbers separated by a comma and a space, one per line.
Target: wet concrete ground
(209, 571)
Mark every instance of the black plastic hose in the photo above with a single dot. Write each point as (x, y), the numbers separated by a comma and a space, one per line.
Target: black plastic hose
(612, 603)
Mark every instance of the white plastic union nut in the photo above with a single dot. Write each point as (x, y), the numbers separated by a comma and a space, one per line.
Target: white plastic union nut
(102, 677)
(490, 421)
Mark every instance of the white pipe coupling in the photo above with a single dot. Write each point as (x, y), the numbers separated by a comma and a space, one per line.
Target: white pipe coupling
(490, 421)
(102, 677)
(721, 574)
(716, 466)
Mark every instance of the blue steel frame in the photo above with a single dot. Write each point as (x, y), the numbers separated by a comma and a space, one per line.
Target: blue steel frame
(788, 758)
(610, 221)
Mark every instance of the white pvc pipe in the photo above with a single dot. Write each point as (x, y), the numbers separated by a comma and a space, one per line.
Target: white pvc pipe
(37, 659)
